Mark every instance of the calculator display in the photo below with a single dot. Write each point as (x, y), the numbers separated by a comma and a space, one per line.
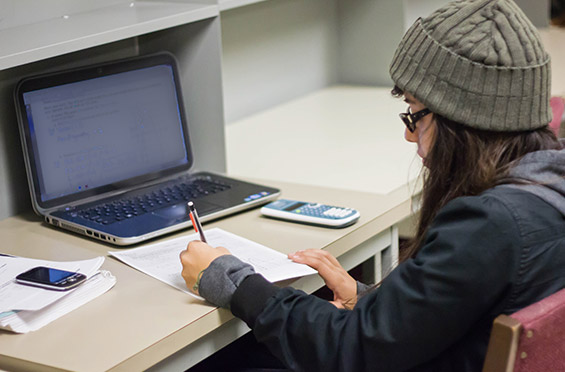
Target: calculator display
(294, 206)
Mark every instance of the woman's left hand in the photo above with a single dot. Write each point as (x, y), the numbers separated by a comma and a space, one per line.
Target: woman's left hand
(343, 285)
(196, 258)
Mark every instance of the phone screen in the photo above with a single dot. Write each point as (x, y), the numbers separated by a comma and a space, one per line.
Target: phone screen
(50, 278)
(46, 275)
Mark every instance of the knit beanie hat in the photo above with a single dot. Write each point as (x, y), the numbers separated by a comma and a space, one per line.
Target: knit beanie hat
(480, 63)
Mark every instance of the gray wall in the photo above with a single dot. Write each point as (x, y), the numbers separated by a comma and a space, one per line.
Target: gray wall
(538, 11)
(275, 51)
(369, 32)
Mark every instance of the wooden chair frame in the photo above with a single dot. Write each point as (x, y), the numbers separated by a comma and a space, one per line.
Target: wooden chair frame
(503, 345)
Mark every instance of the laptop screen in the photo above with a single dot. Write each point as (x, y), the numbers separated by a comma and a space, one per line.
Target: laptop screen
(88, 133)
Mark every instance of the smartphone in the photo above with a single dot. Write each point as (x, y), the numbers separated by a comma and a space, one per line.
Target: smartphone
(49, 278)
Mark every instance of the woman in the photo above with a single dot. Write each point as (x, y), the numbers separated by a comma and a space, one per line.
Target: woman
(491, 236)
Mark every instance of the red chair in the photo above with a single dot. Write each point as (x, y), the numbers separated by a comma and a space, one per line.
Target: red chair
(557, 108)
(530, 340)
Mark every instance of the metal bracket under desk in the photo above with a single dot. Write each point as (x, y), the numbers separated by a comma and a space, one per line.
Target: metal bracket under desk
(380, 250)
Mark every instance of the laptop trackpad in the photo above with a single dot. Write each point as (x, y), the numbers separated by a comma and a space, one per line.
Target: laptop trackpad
(179, 212)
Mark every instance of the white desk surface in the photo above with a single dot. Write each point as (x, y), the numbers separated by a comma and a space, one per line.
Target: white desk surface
(142, 321)
(344, 136)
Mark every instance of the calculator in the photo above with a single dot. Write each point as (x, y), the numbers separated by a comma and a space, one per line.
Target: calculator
(311, 213)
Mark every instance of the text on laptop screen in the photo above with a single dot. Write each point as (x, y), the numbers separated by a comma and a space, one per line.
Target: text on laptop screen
(104, 130)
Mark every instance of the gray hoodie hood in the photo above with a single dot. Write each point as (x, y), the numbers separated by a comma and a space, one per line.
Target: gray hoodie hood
(546, 169)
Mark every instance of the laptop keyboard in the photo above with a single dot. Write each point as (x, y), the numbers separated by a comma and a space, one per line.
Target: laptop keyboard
(121, 209)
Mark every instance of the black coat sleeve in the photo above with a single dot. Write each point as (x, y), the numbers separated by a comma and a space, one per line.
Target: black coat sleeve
(465, 267)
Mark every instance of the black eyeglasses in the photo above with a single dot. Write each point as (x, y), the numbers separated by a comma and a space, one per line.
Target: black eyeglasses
(410, 119)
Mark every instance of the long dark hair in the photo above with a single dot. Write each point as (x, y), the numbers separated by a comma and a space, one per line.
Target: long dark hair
(464, 161)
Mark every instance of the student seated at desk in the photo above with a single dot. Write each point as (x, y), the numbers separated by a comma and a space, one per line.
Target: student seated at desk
(491, 236)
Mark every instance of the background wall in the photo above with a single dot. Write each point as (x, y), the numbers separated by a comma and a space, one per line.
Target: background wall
(274, 51)
(419, 8)
(369, 32)
(538, 11)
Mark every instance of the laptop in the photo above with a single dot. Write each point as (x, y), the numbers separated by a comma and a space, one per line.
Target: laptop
(107, 153)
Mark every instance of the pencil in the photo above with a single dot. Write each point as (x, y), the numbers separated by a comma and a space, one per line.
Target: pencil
(196, 221)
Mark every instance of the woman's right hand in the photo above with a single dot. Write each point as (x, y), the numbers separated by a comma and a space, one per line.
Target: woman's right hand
(195, 259)
(343, 286)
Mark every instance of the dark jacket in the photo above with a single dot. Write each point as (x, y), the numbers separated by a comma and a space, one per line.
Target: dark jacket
(484, 255)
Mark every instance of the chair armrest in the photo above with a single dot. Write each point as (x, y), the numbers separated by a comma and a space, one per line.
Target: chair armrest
(502, 346)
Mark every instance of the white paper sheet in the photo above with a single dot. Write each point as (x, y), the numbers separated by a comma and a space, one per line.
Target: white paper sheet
(26, 321)
(14, 296)
(161, 260)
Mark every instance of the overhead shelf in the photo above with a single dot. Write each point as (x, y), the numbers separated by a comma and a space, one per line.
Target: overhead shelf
(72, 32)
(230, 4)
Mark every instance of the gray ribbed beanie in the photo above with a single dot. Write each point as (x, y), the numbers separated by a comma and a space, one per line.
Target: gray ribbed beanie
(478, 62)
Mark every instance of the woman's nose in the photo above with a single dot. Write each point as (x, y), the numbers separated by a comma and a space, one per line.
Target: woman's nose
(410, 136)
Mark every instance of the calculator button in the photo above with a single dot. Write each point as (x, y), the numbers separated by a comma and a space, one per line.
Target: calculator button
(331, 213)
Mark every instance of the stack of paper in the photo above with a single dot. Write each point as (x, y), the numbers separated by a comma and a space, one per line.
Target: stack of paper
(25, 308)
(162, 261)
